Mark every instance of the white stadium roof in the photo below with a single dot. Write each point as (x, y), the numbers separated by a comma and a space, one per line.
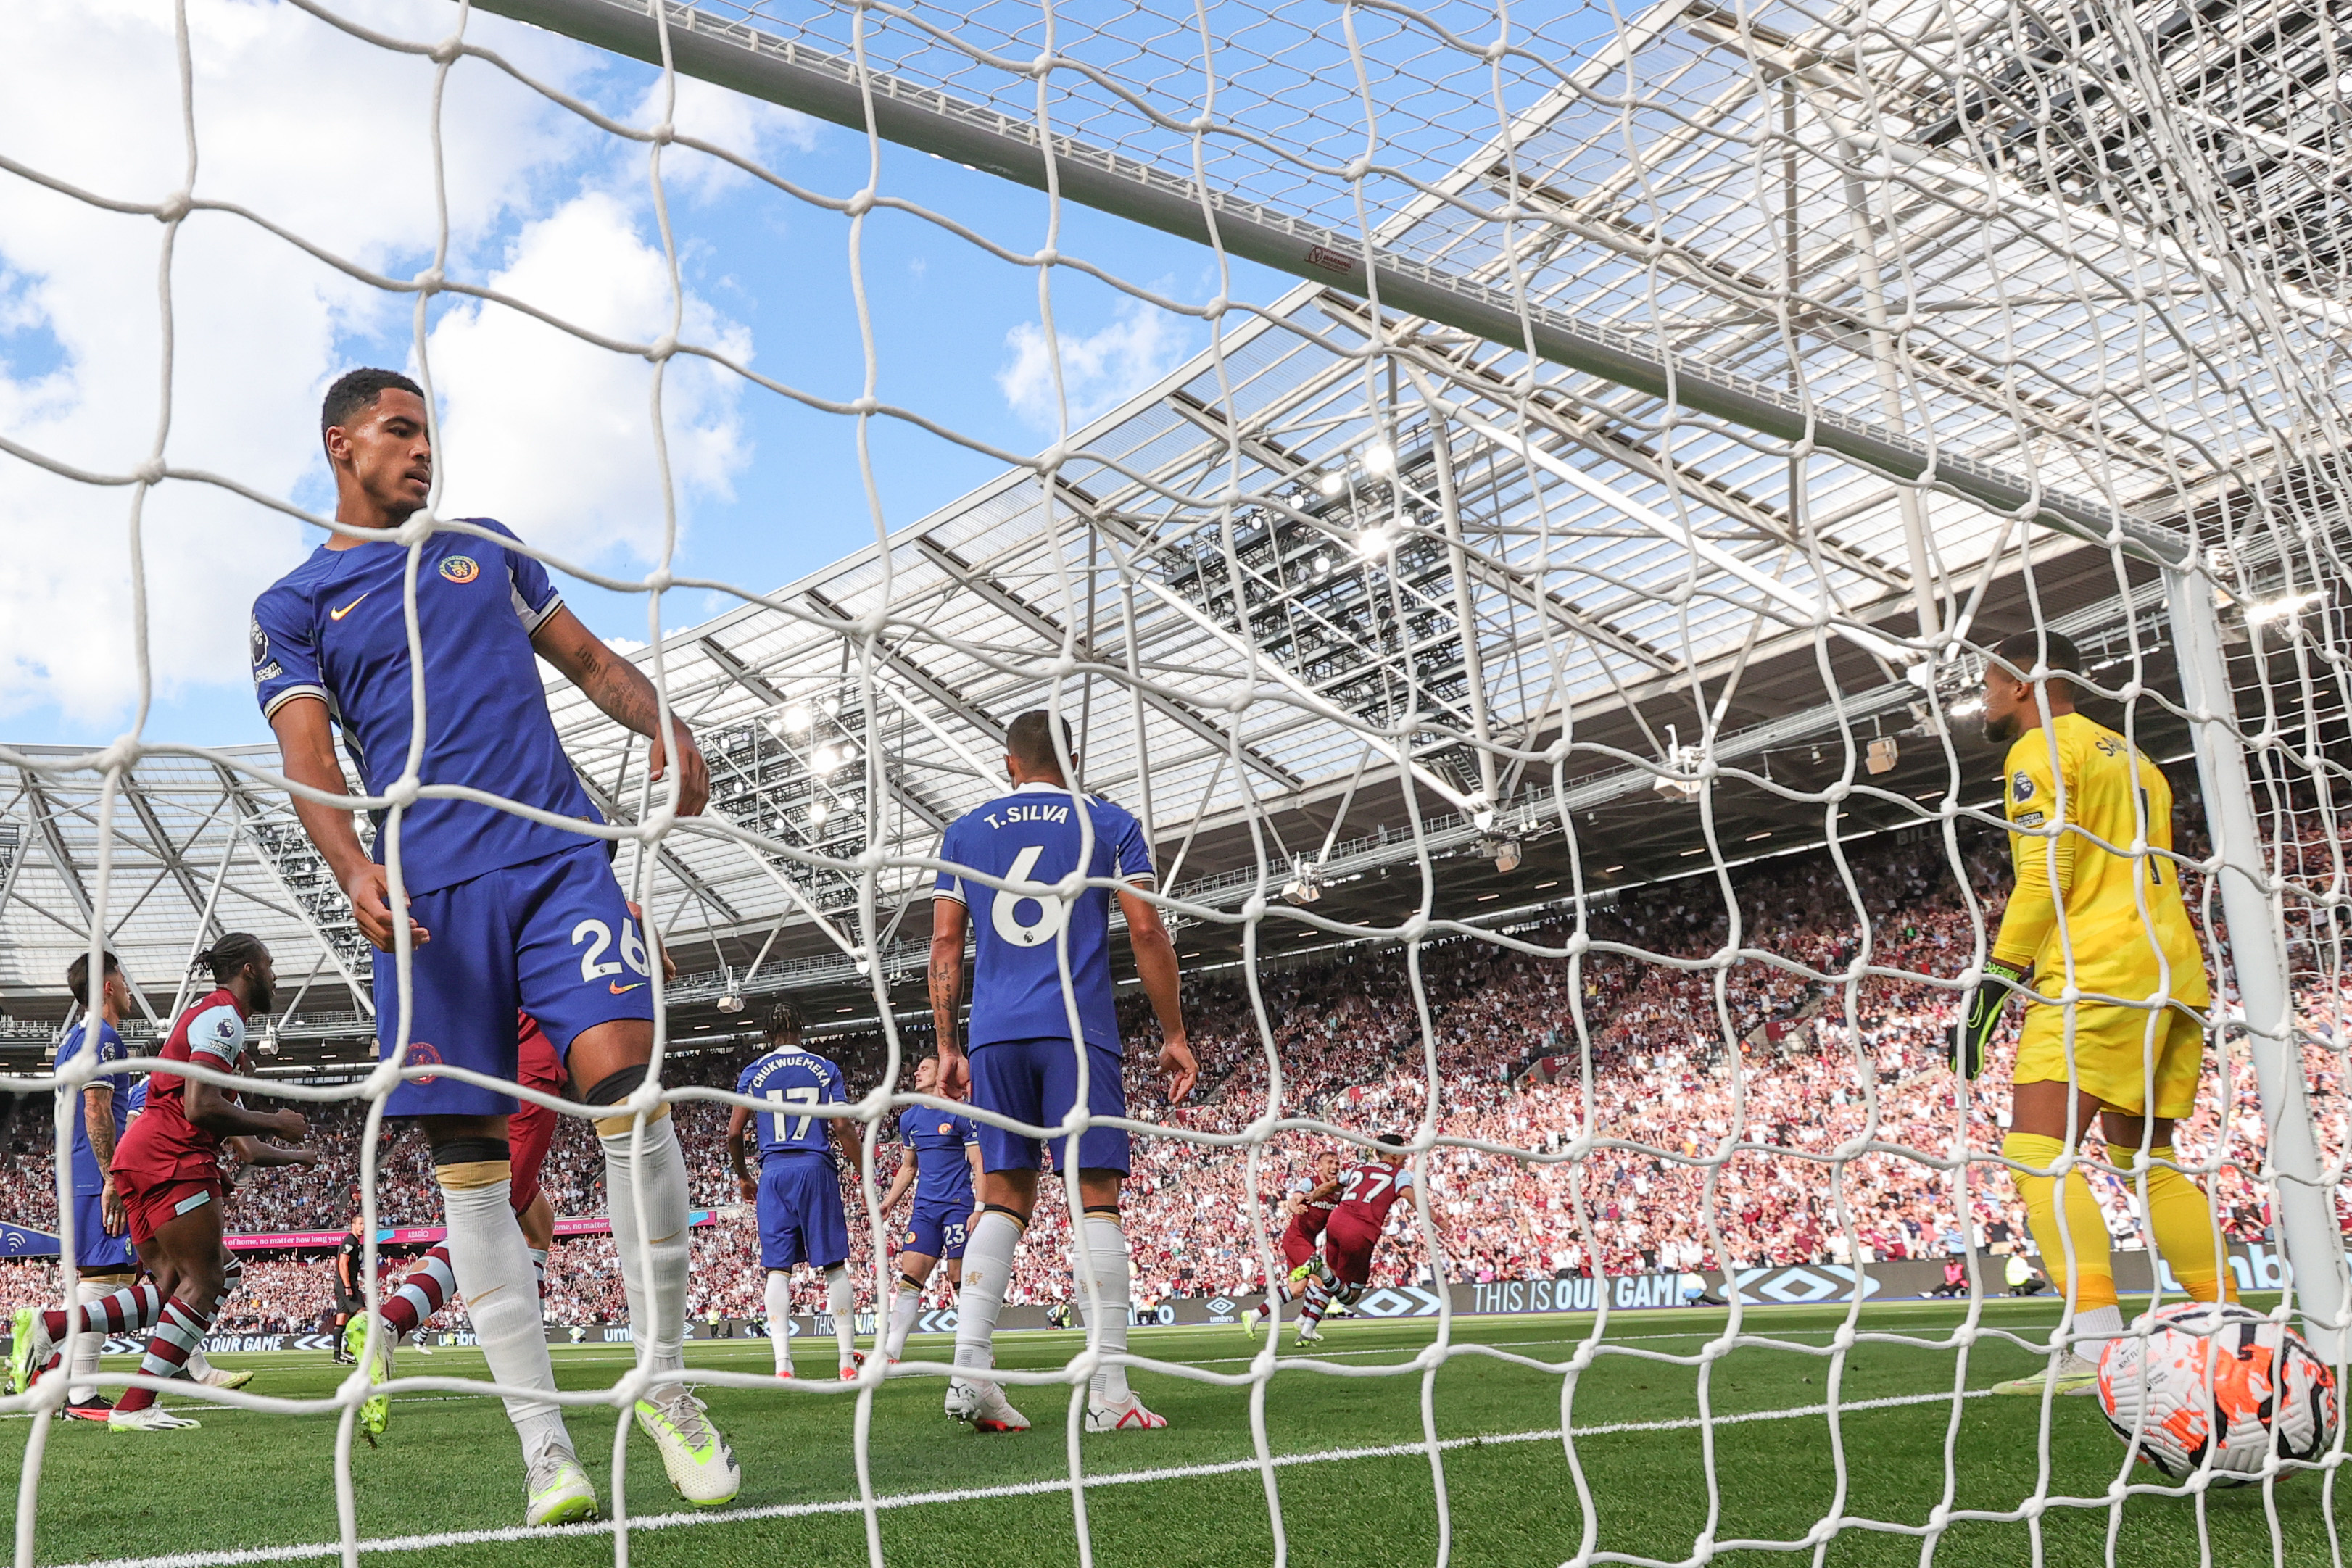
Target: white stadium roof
(1295, 572)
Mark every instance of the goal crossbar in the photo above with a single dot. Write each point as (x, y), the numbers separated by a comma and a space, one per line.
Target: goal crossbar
(828, 87)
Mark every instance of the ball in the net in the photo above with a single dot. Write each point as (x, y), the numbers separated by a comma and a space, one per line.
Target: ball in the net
(2217, 1384)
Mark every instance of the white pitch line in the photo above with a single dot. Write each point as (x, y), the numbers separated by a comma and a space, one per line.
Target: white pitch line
(514, 1533)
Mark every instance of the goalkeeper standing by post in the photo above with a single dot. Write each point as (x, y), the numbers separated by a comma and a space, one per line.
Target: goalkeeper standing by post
(2096, 906)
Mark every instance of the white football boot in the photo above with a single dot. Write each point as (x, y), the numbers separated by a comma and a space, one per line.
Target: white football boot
(1127, 1415)
(700, 1464)
(557, 1490)
(155, 1418)
(984, 1406)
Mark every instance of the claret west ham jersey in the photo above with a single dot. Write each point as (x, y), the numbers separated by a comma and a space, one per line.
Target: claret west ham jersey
(162, 1143)
(334, 628)
(1034, 835)
(1368, 1192)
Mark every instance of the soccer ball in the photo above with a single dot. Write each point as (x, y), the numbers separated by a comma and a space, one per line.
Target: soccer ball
(2215, 1384)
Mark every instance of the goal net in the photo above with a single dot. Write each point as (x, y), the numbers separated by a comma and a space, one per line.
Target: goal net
(1535, 565)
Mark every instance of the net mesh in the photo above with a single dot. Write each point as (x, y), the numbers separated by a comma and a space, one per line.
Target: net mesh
(1822, 348)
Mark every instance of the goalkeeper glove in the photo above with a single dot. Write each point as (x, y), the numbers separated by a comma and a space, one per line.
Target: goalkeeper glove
(1976, 1025)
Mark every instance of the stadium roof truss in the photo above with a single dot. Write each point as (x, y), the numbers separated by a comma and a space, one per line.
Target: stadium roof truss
(1801, 394)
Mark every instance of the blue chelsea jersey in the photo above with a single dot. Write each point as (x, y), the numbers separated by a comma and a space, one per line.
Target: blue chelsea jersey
(1033, 836)
(788, 1078)
(334, 628)
(936, 1140)
(87, 1178)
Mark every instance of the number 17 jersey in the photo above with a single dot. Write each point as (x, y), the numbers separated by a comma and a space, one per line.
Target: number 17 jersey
(1035, 835)
(790, 1080)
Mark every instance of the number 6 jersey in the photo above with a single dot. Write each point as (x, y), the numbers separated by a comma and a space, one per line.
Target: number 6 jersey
(1034, 835)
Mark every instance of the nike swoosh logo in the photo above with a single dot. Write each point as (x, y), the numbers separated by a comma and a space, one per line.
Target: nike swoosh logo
(346, 610)
(622, 990)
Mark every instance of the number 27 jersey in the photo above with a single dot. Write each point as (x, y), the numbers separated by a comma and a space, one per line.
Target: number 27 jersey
(1371, 1190)
(1035, 835)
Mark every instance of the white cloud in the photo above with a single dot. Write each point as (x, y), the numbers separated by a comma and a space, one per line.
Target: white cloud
(319, 131)
(1140, 345)
(761, 132)
(329, 137)
(553, 435)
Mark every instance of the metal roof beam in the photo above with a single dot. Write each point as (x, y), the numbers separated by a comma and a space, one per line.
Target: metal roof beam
(902, 789)
(249, 812)
(677, 867)
(53, 844)
(173, 860)
(984, 586)
(921, 679)
(1488, 572)
(761, 64)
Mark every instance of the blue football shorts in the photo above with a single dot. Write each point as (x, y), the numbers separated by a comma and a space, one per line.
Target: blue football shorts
(936, 1228)
(96, 1252)
(801, 1217)
(551, 937)
(1037, 1082)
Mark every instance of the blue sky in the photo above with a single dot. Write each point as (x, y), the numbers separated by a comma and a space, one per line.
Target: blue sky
(327, 136)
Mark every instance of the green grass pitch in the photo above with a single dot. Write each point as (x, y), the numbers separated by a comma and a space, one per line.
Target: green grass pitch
(449, 1465)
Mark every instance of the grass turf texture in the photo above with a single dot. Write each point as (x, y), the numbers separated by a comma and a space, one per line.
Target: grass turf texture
(450, 1464)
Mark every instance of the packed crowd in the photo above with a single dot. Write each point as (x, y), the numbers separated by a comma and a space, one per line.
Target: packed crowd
(1729, 1071)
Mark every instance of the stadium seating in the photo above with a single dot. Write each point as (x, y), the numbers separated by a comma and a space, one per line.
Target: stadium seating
(1662, 1075)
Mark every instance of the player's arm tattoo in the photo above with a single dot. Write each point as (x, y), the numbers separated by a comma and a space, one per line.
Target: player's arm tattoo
(947, 967)
(97, 1117)
(626, 697)
(614, 685)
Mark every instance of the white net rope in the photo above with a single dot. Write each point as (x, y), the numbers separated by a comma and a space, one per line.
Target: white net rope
(1694, 397)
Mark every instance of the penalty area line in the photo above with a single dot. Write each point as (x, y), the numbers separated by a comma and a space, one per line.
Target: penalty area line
(685, 1520)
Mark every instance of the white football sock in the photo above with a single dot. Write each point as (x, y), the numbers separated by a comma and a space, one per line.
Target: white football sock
(987, 1270)
(2094, 1326)
(89, 1346)
(656, 1304)
(906, 1306)
(492, 1264)
(780, 1316)
(841, 1301)
(1107, 1250)
(538, 1267)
